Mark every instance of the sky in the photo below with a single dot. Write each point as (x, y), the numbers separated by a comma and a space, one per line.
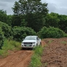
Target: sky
(57, 6)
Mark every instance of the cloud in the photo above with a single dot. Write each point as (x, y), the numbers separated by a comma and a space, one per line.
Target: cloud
(8, 1)
(57, 6)
(51, 7)
(7, 5)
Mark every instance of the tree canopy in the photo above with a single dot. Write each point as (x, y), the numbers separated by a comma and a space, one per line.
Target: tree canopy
(33, 12)
(23, 7)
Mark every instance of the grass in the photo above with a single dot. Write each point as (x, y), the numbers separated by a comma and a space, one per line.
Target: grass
(50, 41)
(36, 58)
(44, 64)
(9, 45)
(64, 42)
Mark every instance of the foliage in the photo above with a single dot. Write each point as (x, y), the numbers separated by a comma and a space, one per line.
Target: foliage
(36, 58)
(3, 53)
(9, 45)
(21, 32)
(18, 21)
(63, 22)
(35, 21)
(9, 20)
(33, 12)
(3, 16)
(52, 20)
(51, 32)
(23, 7)
(1, 38)
(38, 50)
(7, 31)
(65, 35)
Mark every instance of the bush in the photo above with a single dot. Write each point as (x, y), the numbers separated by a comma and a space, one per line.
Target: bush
(10, 45)
(51, 32)
(1, 38)
(21, 32)
(65, 35)
(6, 29)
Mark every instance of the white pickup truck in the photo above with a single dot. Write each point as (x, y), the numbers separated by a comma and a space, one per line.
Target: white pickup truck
(31, 42)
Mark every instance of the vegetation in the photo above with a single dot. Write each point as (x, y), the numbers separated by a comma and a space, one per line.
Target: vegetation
(32, 11)
(36, 58)
(3, 16)
(21, 32)
(1, 38)
(30, 17)
(9, 45)
(51, 32)
(6, 29)
(64, 42)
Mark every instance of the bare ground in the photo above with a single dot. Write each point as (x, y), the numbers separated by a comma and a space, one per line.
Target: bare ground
(55, 53)
(17, 59)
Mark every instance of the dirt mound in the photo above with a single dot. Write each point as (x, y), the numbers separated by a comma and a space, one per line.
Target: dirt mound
(55, 53)
(17, 59)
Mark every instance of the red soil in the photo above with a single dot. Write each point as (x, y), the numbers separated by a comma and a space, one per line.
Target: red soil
(18, 59)
(55, 53)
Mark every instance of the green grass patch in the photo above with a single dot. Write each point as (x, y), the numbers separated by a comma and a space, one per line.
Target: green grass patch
(50, 41)
(64, 42)
(9, 45)
(3, 53)
(36, 58)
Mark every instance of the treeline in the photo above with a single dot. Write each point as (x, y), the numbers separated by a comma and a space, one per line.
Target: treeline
(31, 17)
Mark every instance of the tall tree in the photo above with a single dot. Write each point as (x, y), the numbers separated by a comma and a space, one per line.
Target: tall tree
(29, 6)
(34, 10)
(3, 16)
(52, 20)
(63, 22)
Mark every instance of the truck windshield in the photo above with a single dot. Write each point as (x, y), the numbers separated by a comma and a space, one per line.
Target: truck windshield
(30, 38)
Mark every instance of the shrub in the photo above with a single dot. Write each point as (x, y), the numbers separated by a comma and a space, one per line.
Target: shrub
(51, 32)
(10, 45)
(65, 35)
(1, 38)
(21, 32)
(6, 29)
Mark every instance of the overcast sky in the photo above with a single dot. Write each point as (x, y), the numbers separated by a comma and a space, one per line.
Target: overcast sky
(57, 6)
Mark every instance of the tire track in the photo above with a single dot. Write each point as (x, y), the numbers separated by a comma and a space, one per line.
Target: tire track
(18, 59)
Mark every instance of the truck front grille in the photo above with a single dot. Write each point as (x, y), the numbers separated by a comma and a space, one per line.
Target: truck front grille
(28, 44)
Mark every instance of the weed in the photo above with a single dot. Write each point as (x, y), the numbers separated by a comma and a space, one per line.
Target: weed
(50, 41)
(3, 53)
(36, 58)
(9, 45)
(64, 42)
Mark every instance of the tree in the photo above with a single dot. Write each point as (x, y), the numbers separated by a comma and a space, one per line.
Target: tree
(63, 22)
(34, 12)
(3, 16)
(1, 38)
(23, 7)
(9, 20)
(52, 20)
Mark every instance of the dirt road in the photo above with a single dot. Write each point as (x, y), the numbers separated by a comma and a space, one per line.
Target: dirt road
(17, 59)
(54, 55)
